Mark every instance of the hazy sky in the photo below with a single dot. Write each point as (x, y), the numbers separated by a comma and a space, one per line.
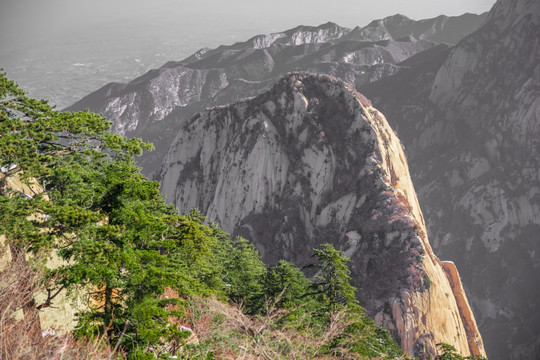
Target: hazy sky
(23, 19)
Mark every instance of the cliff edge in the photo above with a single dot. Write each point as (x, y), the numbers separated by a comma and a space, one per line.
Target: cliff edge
(311, 161)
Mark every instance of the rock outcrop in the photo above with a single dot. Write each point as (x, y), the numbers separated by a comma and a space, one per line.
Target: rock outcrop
(469, 120)
(311, 161)
(475, 342)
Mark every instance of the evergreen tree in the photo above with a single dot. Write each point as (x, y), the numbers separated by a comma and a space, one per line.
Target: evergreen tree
(121, 242)
(331, 282)
(286, 282)
(449, 352)
(35, 140)
(243, 274)
(121, 261)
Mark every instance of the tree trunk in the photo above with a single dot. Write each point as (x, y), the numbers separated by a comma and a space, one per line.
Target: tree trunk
(3, 179)
(3, 184)
(107, 312)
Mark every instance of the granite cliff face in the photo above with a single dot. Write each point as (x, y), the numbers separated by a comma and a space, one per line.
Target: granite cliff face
(311, 161)
(469, 119)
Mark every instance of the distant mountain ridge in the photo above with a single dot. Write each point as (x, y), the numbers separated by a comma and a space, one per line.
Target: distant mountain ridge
(228, 73)
(447, 29)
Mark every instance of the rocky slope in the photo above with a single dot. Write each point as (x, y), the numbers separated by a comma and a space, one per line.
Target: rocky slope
(310, 161)
(155, 105)
(469, 119)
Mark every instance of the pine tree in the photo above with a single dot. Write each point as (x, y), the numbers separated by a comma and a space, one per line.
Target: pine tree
(121, 242)
(332, 280)
(286, 282)
(243, 274)
(34, 140)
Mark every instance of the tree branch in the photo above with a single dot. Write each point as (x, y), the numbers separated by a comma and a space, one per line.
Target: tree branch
(50, 298)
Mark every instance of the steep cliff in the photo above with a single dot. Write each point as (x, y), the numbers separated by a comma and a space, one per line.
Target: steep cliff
(310, 161)
(469, 119)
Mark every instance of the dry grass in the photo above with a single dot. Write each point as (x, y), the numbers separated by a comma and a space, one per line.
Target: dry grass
(20, 332)
(226, 332)
(235, 335)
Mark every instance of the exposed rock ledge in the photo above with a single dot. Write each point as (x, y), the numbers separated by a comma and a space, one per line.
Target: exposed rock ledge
(476, 344)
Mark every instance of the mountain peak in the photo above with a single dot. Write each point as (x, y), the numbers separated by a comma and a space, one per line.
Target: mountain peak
(392, 19)
(330, 24)
(396, 17)
(311, 161)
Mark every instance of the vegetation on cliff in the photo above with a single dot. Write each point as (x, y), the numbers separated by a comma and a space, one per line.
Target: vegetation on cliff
(149, 282)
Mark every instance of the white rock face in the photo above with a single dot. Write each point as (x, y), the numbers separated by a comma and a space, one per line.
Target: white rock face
(173, 87)
(310, 161)
(300, 35)
(264, 41)
(508, 66)
(125, 110)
